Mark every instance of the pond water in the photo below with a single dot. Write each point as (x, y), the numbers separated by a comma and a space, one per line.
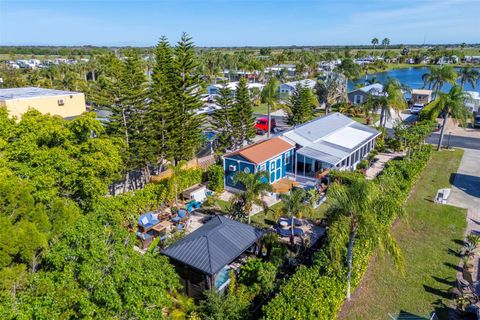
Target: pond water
(411, 77)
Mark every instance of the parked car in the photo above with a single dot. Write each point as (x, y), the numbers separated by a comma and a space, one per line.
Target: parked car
(416, 108)
(262, 125)
(476, 121)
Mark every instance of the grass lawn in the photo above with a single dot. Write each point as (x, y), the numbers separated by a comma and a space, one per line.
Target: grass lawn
(430, 236)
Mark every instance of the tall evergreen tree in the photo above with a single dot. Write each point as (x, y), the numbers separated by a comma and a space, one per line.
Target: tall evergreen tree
(122, 90)
(243, 124)
(222, 118)
(300, 105)
(161, 94)
(184, 136)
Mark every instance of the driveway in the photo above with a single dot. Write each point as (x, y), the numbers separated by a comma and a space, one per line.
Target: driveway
(466, 182)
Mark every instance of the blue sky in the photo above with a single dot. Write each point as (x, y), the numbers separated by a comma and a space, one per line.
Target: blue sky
(238, 22)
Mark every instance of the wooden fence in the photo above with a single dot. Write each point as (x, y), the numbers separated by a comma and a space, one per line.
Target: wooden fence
(202, 163)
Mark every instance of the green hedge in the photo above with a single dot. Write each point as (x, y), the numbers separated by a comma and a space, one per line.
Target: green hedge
(215, 174)
(318, 292)
(129, 206)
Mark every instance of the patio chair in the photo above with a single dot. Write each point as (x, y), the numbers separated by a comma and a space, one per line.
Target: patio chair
(148, 220)
(180, 216)
(146, 238)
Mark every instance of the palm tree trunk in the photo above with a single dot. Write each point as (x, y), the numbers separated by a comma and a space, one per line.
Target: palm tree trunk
(440, 140)
(351, 241)
(382, 115)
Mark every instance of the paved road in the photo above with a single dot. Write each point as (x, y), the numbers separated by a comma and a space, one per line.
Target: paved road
(455, 141)
(466, 182)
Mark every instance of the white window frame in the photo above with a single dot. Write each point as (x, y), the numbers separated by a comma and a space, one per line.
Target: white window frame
(287, 158)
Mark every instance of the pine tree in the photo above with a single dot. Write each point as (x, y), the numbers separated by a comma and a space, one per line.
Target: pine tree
(161, 94)
(222, 118)
(243, 124)
(184, 136)
(123, 90)
(300, 105)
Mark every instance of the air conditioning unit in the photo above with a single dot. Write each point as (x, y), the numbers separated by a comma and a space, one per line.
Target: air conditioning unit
(232, 168)
(61, 102)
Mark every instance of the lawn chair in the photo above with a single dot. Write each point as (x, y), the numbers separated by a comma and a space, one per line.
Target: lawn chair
(147, 221)
(182, 214)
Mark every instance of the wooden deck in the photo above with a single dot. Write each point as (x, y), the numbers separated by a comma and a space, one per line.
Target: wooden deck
(284, 185)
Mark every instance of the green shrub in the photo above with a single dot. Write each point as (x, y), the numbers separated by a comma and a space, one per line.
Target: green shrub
(318, 292)
(258, 276)
(215, 176)
(362, 165)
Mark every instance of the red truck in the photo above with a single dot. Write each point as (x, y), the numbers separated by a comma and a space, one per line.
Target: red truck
(262, 125)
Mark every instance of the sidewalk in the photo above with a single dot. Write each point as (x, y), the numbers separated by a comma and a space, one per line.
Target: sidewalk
(466, 182)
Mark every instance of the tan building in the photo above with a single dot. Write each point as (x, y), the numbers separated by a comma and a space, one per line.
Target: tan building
(66, 104)
(421, 96)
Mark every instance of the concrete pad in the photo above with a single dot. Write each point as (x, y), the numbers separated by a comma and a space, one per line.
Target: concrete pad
(466, 182)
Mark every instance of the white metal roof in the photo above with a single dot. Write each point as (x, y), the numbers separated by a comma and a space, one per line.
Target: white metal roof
(347, 137)
(31, 92)
(306, 82)
(330, 138)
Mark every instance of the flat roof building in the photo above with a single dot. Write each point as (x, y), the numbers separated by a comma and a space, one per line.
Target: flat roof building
(67, 104)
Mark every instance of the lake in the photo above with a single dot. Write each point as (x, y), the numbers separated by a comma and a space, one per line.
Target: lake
(411, 77)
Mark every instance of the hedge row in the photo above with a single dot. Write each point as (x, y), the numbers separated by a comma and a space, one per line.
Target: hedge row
(318, 292)
(129, 206)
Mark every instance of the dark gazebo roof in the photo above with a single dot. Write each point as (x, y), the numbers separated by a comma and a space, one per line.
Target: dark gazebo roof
(214, 245)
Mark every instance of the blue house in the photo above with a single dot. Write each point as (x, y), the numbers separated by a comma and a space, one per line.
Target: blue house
(274, 156)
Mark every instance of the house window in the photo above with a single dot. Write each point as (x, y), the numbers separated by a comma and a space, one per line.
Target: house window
(246, 170)
(263, 167)
(272, 165)
(287, 158)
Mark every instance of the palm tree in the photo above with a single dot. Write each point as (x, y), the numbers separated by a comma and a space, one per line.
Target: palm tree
(354, 211)
(451, 104)
(372, 80)
(385, 43)
(331, 91)
(438, 76)
(390, 99)
(368, 67)
(374, 43)
(468, 75)
(294, 205)
(270, 97)
(395, 98)
(256, 186)
(174, 181)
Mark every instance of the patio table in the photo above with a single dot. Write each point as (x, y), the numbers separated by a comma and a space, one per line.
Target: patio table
(166, 224)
